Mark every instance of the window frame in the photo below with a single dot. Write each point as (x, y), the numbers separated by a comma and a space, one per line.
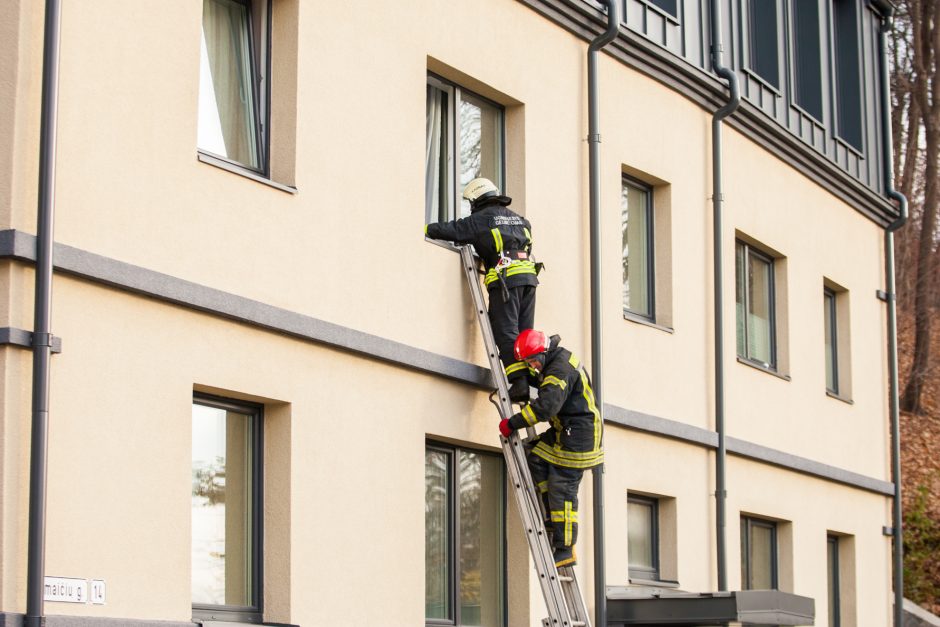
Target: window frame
(747, 524)
(657, 6)
(838, 86)
(833, 580)
(655, 573)
(650, 238)
(749, 37)
(453, 529)
(259, 24)
(796, 73)
(831, 313)
(750, 250)
(253, 613)
(455, 96)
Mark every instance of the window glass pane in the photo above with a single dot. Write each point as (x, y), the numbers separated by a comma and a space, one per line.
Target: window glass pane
(763, 40)
(436, 156)
(761, 558)
(807, 57)
(848, 80)
(480, 144)
(760, 305)
(481, 539)
(222, 507)
(635, 220)
(436, 534)
(640, 535)
(669, 6)
(227, 116)
(829, 325)
(832, 572)
(739, 295)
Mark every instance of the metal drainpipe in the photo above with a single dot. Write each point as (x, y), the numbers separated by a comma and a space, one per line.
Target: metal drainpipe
(894, 402)
(42, 334)
(733, 101)
(594, 139)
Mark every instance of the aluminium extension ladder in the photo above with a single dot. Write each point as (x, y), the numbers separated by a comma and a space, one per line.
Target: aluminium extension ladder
(559, 585)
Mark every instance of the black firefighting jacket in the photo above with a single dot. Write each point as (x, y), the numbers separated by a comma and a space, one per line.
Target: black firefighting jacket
(495, 231)
(566, 401)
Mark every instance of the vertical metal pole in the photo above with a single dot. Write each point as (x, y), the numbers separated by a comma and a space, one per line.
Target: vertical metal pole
(42, 333)
(717, 199)
(897, 521)
(594, 139)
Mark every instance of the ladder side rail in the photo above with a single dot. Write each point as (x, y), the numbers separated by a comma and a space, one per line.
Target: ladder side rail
(527, 499)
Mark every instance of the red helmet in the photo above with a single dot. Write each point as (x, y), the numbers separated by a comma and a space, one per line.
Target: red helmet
(530, 343)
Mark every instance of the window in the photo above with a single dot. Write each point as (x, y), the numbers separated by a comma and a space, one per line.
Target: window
(226, 510)
(643, 537)
(667, 6)
(758, 554)
(636, 212)
(762, 40)
(832, 578)
(232, 103)
(848, 88)
(831, 339)
(807, 59)
(464, 552)
(464, 140)
(754, 297)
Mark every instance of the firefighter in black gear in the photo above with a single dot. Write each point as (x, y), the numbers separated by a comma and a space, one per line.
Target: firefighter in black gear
(503, 240)
(560, 454)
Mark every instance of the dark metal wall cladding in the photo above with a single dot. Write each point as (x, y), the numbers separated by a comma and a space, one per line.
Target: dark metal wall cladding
(686, 36)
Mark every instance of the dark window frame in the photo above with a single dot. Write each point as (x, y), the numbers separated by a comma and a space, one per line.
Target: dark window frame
(670, 15)
(253, 613)
(642, 573)
(747, 524)
(453, 549)
(750, 250)
(799, 61)
(757, 44)
(847, 75)
(259, 51)
(650, 247)
(834, 580)
(455, 93)
(832, 313)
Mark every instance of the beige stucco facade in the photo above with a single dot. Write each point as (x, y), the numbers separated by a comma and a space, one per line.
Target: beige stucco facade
(345, 434)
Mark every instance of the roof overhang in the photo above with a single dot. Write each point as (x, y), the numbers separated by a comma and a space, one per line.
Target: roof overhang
(657, 606)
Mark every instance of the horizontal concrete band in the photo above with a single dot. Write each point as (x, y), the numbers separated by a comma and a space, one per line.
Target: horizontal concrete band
(17, 620)
(741, 448)
(73, 261)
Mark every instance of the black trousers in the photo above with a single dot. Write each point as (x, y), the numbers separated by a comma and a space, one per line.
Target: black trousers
(559, 489)
(508, 317)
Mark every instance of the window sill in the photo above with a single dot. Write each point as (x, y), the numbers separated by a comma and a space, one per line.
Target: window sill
(763, 368)
(653, 583)
(669, 17)
(444, 244)
(763, 81)
(228, 166)
(855, 150)
(632, 317)
(839, 397)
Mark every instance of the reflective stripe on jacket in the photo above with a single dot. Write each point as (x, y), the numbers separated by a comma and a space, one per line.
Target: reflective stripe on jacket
(566, 401)
(493, 229)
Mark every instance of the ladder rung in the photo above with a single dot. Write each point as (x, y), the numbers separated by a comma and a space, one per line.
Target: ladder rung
(565, 578)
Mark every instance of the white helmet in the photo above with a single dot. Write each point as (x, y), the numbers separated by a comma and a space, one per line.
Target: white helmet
(478, 189)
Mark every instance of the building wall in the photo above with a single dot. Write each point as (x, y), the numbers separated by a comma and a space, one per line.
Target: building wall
(344, 432)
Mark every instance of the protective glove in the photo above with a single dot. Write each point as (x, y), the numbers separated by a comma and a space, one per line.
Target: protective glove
(505, 428)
